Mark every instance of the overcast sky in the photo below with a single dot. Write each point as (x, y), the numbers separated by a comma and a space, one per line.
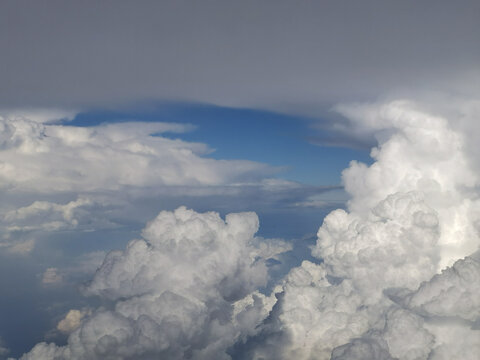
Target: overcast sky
(279, 54)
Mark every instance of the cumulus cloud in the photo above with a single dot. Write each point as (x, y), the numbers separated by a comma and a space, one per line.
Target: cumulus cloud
(417, 151)
(377, 294)
(72, 320)
(188, 288)
(453, 292)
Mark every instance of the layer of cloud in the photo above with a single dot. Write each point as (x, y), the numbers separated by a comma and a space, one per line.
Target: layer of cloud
(49, 216)
(22, 226)
(53, 158)
(271, 53)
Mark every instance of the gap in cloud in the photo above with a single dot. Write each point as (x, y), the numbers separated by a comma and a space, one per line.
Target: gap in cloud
(257, 135)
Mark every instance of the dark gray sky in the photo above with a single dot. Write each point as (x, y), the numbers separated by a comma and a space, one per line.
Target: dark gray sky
(276, 54)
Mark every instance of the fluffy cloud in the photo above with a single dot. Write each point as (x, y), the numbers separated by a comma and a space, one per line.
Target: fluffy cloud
(72, 320)
(417, 152)
(377, 294)
(454, 292)
(53, 158)
(188, 288)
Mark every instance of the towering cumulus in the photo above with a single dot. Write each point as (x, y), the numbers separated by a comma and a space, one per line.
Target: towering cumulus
(400, 271)
(397, 276)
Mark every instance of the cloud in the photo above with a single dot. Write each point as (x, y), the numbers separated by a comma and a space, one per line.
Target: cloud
(72, 320)
(58, 178)
(48, 216)
(19, 247)
(187, 288)
(54, 158)
(273, 53)
(453, 292)
(51, 276)
(377, 293)
(22, 226)
(419, 154)
(394, 276)
(41, 115)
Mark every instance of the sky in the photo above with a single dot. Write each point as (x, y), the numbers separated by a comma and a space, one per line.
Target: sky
(239, 179)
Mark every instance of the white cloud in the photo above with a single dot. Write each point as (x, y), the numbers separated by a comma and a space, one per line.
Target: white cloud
(418, 153)
(49, 216)
(188, 288)
(65, 178)
(51, 276)
(413, 212)
(54, 158)
(454, 292)
(72, 320)
(21, 226)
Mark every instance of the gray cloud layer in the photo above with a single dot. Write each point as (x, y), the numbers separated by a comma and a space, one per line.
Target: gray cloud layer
(76, 54)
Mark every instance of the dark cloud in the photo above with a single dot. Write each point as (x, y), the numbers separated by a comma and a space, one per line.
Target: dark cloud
(265, 53)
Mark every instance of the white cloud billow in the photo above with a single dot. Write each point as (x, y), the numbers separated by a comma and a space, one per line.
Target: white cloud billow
(399, 277)
(414, 211)
(187, 289)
